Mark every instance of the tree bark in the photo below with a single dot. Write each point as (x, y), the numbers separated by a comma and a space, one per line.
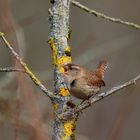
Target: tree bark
(63, 129)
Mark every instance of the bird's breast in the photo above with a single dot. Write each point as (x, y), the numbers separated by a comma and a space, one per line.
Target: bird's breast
(83, 91)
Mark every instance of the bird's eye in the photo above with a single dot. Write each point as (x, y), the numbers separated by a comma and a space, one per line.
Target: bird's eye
(70, 68)
(65, 69)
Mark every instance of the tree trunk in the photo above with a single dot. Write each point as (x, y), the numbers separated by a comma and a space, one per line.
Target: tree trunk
(63, 129)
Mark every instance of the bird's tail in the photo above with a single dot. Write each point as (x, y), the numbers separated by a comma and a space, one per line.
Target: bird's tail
(101, 68)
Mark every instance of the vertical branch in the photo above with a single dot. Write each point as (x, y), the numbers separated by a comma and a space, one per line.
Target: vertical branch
(59, 28)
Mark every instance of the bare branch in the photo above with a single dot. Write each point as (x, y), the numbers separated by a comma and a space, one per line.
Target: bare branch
(74, 112)
(11, 70)
(27, 70)
(101, 15)
(100, 96)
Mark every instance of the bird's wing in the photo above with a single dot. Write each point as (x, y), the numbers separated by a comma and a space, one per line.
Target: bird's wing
(94, 80)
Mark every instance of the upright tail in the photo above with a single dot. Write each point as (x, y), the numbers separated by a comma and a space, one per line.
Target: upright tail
(101, 68)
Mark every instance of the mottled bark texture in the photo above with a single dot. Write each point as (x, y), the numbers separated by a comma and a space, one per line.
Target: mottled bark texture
(63, 128)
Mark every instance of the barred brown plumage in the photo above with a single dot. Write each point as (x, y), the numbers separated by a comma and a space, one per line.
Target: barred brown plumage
(82, 82)
(101, 68)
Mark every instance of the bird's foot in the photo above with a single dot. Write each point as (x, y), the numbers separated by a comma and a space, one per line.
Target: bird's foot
(90, 101)
(71, 104)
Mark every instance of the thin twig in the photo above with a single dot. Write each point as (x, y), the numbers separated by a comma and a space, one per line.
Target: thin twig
(74, 112)
(100, 96)
(27, 70)
(101, 15)
(11, 70)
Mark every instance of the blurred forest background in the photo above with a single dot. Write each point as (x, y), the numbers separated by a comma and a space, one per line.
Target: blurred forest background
(26, 112)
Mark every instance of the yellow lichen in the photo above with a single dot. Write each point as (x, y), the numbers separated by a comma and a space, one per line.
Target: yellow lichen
(69, 127)
(54, 51)
(55, 106)
(37, 82)
(64, 59)
(64, 92)
(62, 70)
(67, 49)
(1, 34)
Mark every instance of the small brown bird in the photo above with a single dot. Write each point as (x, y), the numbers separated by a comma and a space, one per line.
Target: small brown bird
(83, 83)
